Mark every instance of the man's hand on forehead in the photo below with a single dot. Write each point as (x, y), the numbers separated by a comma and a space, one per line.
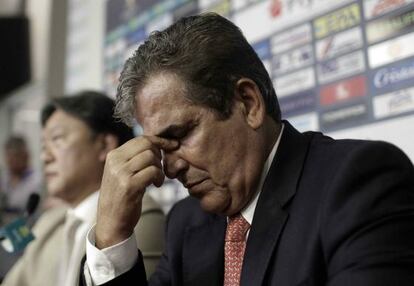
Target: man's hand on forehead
(143, 143)
(129, 169)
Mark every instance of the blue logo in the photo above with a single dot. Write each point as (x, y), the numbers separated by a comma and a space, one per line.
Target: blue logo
(393, 77)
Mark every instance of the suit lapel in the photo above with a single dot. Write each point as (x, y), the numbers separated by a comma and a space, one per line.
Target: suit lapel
(270, 217)
(203, 253)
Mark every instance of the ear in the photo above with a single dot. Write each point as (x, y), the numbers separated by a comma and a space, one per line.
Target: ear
(109, 142)
(252, 103)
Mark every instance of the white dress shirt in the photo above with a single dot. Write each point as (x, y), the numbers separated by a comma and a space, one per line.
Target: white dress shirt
(106, 264)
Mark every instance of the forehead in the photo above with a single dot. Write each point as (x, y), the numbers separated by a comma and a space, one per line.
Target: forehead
(161, 102)
(63, 120)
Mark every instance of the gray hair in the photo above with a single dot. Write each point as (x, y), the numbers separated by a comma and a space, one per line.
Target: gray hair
(209, 53)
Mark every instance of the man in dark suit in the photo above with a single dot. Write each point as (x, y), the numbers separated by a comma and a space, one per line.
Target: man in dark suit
(268, 205)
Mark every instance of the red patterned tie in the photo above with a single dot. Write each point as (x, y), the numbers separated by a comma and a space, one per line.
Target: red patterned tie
(235, 243)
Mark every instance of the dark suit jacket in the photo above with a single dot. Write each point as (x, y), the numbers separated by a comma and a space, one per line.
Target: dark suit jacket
(331, 212)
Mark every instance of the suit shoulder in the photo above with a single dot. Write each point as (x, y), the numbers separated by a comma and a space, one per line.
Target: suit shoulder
(49, 220)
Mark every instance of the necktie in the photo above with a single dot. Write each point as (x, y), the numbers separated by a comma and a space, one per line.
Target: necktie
(234, 246)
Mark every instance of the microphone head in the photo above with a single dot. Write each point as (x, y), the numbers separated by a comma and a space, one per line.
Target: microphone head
(32, 203)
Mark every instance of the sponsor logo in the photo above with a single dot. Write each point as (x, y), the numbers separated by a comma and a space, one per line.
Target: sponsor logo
(275, 8)
(257, 22)
(390, 26)
(279, 7)
(294, 82)
(292, 38)
(305, 122)
(341, 67)
(338, 44)
(298, 103)
(337, 21)
(391, 50)
(374, 8)
(394, 103)
(340, 117)
(400, 74)
(292, 60)
(343, 90)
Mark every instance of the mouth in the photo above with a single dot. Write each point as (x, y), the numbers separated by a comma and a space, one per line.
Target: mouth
(198, 189)
(193, 184)
(49, 175)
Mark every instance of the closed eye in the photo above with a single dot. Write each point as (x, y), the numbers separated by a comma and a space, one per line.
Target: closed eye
(177, 132)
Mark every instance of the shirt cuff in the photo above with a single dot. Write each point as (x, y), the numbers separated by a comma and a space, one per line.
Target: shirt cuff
(109, 263)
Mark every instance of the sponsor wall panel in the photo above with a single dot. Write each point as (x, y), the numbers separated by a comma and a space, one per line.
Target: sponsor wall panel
(292, 38)
(394, 103)
(391, 50)
(339, 44)
(337, 21)
(345, 116)
(272, 16)
(294, 82)
(334, 63)
(343, 91)
(392, 77)
(375, 8)
(298, 103)
(341, 67)
(389, 26)
(293, 60)
(305, 122)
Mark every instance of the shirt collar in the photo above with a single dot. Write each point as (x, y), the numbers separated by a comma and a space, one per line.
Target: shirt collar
(86, 210)
(248, 212)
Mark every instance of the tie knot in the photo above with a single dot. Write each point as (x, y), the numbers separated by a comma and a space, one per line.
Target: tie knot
(237, 228)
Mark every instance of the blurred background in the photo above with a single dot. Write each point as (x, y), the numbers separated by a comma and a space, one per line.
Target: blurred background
(344, 67)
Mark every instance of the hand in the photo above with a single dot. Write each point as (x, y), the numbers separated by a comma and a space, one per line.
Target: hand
(129, 169)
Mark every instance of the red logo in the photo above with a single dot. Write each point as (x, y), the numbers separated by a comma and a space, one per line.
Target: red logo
(385, 5)
(343, 90)
(275, 8)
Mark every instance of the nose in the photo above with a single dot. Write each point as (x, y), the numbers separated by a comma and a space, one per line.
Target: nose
(46, 155)
(174, 164)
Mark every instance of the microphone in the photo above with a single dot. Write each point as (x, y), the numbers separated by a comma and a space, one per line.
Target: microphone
(16, 235)
(32, 204)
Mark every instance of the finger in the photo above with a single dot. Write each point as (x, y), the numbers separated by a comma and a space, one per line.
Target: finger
(164, 144)
(143, 160)
(135, 146)
(148, 176)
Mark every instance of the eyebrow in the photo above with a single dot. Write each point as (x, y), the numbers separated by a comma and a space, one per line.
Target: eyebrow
(175, 129)
(54, 129)
(171, 130)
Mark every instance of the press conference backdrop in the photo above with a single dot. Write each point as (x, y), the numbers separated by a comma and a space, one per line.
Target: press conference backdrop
(335, 63)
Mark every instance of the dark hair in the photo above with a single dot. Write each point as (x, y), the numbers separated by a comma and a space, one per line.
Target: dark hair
(15, 142)
(209, 53)
(93, 108)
